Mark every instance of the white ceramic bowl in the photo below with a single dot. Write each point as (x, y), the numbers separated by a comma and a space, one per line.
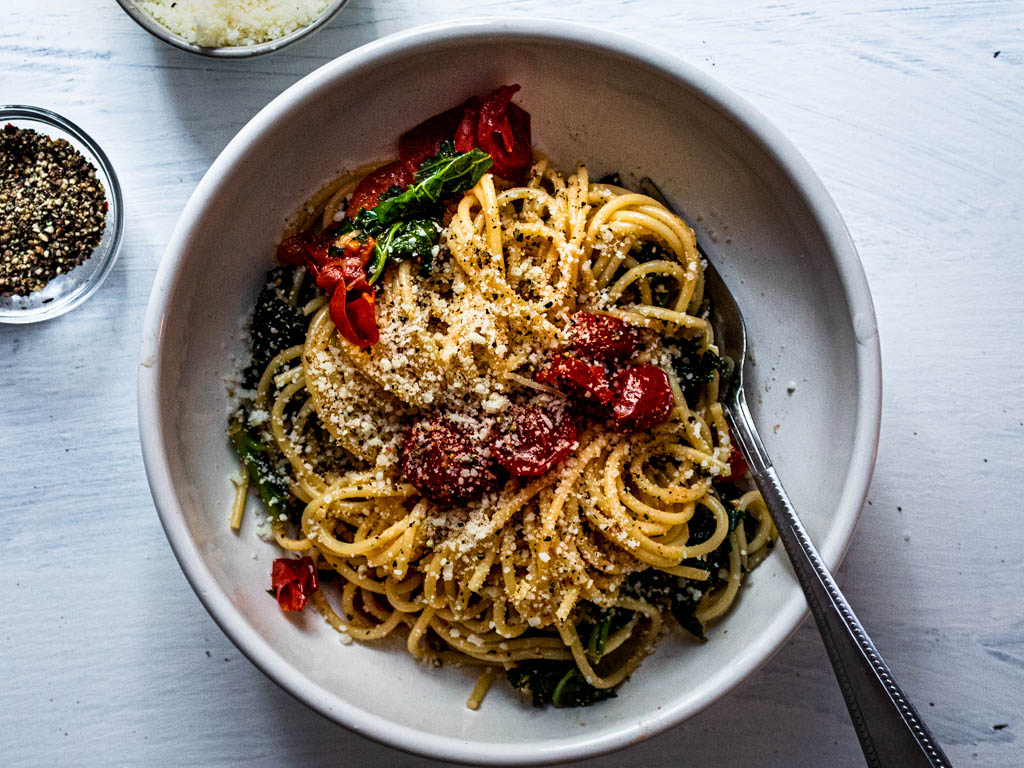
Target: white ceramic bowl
(759, 210)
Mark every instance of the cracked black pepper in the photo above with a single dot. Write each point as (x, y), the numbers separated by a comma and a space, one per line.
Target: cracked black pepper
(52, 209)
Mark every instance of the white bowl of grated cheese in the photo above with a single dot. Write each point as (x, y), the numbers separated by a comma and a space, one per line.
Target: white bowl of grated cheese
(231, 28)
(620, 105)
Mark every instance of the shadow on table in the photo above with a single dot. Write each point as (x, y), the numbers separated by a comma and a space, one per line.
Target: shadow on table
(793, 695)
(213, 98)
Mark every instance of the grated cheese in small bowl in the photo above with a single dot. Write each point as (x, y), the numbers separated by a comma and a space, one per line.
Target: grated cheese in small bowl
(233, 23)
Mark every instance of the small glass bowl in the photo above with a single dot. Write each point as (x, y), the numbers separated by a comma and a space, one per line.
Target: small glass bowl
(158, 30)
(67, 291)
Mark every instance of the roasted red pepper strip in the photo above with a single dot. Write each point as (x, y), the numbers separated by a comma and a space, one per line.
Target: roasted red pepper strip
(303, 250)
(293, 581)
(737, 466)
(465, 133)
(353, 316)
(369, 190)
(503, 132)
(352, 299)
(424, 141)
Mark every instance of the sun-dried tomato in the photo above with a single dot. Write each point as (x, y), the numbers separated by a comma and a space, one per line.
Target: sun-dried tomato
(373, 185)
(575, 377)
(293, 581)
(642, 398)
(604, 337)
(503, 131)
(533, 440)
(445, 463)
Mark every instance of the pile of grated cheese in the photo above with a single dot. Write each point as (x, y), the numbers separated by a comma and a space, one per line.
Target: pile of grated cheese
(217, 23)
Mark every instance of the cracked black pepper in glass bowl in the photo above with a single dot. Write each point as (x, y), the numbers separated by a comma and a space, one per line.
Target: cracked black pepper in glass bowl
(56, 279)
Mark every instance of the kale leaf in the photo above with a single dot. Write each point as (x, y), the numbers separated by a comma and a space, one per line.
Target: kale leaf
(445, 175)
(694, 368)
(406, 223)
(417, 238)
(648, 250)
(682, 595)
(560, 682)
(276, 324)
(556, 682)
(611, 178)
(255, 455)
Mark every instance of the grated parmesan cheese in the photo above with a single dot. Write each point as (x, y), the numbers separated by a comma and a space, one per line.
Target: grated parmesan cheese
(218, 23)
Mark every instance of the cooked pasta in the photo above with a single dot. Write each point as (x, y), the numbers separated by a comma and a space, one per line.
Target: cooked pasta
(563, 578)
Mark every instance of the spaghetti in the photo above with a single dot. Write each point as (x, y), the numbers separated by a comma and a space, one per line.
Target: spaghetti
(563, 577)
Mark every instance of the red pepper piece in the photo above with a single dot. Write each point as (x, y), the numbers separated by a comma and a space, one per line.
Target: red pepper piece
(503, 131)
(373, 185)
(349, 268)
(643, 398)
(604, 338)
(445, 463)
(304, 250)
(424, 140)
(293, 581)
(292, 251)
(573, 376)
(534, 440)
(353, 315)
(465, 133)
(457, 124)
(737, 466)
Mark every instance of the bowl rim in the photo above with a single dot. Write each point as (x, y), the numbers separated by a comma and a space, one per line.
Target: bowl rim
(114, 220)
(161, 32)
(852, 279)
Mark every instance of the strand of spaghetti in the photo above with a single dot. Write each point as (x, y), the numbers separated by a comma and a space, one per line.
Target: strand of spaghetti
(263, 388)
(483, 685)
(241, 495)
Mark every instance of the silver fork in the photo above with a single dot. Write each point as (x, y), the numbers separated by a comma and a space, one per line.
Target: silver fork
(889, 727)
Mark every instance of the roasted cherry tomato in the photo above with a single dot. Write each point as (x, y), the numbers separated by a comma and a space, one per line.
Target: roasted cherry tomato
(642, 398)
(369, 190)
(293, 581)
(533, 440)
(503, 131)
(604, 338)
(445, 462)
(573, 376)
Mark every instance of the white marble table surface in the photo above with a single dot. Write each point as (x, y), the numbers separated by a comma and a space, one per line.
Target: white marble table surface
(912, 113)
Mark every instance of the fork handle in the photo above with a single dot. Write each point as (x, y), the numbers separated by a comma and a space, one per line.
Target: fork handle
(890, 729)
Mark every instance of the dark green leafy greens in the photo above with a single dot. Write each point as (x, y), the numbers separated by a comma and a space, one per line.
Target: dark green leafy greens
(414, 239)
(276, 324)
(256, 457)
(681, 594)
(560, 683)
(406, 223)
(694, 368)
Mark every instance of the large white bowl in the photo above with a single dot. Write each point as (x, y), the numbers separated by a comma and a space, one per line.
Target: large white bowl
(759, 210)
